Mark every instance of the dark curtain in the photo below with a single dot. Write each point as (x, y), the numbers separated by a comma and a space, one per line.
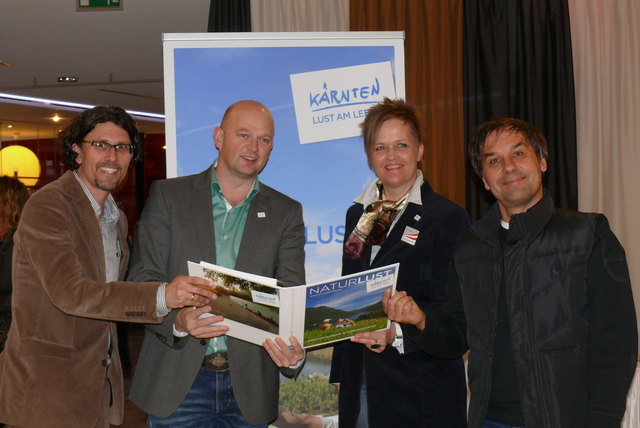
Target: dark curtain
(227, 16)
(433, 70)
(517, 63)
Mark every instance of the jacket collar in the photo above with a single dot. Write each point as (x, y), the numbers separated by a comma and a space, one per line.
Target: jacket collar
(203, 215)
(70, 186)
(529, 224)
(370, 193)
(524, 226)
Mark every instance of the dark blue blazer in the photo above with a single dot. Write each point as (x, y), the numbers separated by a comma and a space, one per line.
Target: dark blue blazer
(414, 389)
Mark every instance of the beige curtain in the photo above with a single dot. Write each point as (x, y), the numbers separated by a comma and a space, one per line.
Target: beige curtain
(606, 53)
(299, 15)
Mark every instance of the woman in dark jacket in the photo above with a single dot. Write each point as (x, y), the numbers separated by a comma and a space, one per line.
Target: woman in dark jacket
(399, 218)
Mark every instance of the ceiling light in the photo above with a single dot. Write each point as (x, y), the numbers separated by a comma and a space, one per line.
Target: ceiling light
(56, 118)
(66, 79)
(9, 126)
(25, 99)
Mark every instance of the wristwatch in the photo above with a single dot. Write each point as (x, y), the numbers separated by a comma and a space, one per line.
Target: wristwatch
(397, 338)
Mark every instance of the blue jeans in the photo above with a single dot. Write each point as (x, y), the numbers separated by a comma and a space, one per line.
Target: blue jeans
(209, 404)
(363, 416)
(493, 424)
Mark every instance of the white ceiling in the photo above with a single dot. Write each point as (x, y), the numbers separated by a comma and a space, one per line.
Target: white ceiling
(115, 54)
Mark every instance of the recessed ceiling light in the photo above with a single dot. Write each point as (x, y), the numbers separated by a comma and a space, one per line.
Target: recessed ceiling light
(56, 118)
(9, 126)
(67, 79)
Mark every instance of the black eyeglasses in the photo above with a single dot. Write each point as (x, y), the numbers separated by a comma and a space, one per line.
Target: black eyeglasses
(103, 146)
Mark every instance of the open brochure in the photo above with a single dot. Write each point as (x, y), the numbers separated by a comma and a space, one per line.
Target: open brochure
(256, 307)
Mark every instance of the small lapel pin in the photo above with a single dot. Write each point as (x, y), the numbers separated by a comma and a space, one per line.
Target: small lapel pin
(417, 217)
(262, 214)
(410, 235)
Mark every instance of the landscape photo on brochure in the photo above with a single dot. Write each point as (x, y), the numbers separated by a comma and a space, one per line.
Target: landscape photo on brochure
(256, 307)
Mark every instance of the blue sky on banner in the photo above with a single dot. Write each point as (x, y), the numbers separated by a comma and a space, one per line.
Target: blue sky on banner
(324, 175)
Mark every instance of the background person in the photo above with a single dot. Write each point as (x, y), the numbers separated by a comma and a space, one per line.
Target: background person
(13, 196)
(399, 218)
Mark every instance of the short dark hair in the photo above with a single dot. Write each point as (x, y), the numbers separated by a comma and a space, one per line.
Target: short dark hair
(389, 109)
(83, 124)
(532, 135)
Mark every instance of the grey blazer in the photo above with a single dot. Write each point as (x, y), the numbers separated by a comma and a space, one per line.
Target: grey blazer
(177, 226)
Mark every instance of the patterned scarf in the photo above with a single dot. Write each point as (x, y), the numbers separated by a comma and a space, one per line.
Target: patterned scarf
(373, 225)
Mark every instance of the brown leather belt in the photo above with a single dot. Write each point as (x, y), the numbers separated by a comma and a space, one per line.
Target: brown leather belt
(218, 362)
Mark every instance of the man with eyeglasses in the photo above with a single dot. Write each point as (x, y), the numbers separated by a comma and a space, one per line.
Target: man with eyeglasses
(60, 366)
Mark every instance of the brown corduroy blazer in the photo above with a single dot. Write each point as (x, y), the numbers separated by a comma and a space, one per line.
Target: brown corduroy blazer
(54, 371)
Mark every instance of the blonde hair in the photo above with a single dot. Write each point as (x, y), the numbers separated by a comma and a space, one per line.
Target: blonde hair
(385, 110)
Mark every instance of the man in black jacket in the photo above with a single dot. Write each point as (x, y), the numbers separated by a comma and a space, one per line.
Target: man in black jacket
(541, 297)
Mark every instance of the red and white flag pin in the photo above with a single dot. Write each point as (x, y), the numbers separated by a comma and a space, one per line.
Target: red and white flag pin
(410, 235)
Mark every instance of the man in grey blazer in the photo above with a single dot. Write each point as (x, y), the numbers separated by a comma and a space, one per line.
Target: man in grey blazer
(189, 374)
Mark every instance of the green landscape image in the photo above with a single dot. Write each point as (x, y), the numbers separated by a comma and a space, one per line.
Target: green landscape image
(340, 314)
